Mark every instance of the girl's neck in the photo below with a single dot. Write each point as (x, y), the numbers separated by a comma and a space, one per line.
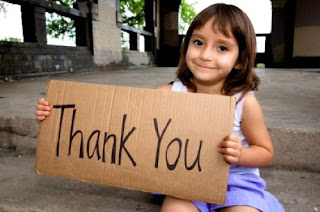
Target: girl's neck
(208, 89)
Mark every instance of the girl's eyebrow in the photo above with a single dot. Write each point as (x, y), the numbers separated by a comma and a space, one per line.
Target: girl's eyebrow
(195, 34)
(225, 40)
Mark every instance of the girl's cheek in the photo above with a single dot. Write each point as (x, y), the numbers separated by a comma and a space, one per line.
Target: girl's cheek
(188, 55)
(191, 52)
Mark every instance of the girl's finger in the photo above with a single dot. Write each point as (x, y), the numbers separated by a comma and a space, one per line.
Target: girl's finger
(230, 159)
(43, 108)
(42, 101)
(42, 113)
(40, 118)
(229, 144)
(229, 151)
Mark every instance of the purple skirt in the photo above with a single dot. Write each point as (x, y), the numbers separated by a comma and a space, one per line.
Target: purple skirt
(244, 190)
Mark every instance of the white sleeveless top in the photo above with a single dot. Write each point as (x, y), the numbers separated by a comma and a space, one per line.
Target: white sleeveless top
(179, 87)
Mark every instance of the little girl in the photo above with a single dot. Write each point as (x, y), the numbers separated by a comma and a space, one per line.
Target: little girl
(217, 57)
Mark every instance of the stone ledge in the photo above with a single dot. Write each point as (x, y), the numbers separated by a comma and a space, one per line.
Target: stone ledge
(294, 150)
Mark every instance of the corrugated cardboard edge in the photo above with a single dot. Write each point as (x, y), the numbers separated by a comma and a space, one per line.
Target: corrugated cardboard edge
(40, 127)
(39, 132)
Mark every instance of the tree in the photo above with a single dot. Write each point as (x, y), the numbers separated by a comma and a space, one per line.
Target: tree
(133, 12)
(59, 26)
(132, 15)
(187, 14)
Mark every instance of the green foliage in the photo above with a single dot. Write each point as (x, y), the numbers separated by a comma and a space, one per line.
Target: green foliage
(124, 41)
(59, 26)
(67, 3)
(11, 39)
(261, 65)
(133, 13)
(187, 14)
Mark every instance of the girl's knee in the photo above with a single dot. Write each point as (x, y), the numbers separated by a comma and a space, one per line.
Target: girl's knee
(173, 204)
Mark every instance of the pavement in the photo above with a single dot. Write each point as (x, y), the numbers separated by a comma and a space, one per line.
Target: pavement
(290, 99)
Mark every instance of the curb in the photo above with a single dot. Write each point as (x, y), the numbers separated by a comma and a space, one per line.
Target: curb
(294, 149)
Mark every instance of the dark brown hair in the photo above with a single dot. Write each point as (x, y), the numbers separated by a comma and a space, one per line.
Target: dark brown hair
(226, 19)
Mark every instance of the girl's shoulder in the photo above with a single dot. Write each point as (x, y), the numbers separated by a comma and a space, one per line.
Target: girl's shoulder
(243, 100)
(251, 107)
(250, 101)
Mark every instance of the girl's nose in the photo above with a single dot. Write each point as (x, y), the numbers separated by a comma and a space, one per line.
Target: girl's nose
(206, 54)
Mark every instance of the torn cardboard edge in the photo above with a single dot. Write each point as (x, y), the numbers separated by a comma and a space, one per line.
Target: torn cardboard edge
(136, 138)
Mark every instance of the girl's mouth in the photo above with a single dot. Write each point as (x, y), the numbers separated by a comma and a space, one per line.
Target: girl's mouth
(203, 66)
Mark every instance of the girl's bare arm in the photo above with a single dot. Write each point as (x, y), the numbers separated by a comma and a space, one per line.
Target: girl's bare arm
(260, 150)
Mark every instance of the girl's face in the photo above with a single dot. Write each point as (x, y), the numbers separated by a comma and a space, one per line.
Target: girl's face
(211, 56)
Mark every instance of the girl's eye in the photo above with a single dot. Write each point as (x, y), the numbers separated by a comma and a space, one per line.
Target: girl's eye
(197, 42)
(223, 48)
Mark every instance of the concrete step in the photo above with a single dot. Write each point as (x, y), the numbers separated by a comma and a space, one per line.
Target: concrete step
(23, 190)
(294, 149)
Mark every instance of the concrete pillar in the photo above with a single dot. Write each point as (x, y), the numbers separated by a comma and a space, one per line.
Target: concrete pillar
(307, 29)
(134, 41)
(170, 28)
(283, 17)
(106, 34)
(83, 26)
(149, 10)
(168, 54)
(34, 23)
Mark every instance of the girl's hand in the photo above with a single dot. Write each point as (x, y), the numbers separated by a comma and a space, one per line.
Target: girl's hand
(42, 110)
(231, 148)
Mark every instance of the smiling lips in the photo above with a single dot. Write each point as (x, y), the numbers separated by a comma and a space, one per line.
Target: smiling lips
(204, 66)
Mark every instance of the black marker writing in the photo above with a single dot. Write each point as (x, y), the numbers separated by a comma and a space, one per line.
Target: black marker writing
(60, 124)
(172, 165)
(95, 138)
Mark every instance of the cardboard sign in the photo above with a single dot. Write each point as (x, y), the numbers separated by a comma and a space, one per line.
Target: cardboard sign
(143, 139)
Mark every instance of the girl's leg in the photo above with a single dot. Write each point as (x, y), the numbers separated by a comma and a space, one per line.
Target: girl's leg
(239, 209)
(171, 204)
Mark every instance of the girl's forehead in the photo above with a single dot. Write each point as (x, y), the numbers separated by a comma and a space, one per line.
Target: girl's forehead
(217, 26)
